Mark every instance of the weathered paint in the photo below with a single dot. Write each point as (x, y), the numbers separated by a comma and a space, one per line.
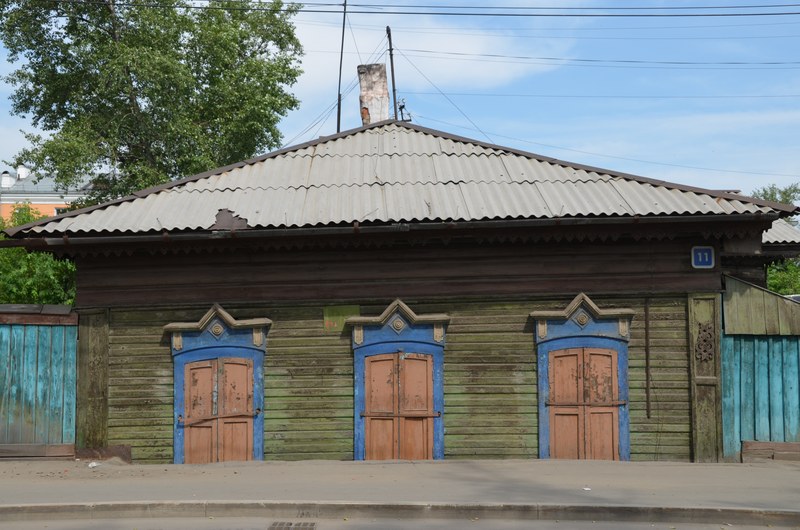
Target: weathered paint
(383, 338)
(489, 378)
(761, 399)
(206, 345)
(37, 384)
(704, 356)
(752, 310)
(579, 329)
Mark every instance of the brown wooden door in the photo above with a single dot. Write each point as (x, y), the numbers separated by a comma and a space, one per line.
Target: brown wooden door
(584, 404)
(398, 413)
(219, 411)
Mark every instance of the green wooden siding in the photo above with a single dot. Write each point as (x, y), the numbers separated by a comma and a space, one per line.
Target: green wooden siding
(37, 384)
(489, 380)
(666, 434)
(752, 310)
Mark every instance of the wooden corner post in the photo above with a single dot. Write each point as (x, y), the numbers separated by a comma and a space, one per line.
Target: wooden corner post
(704, 369)
(92, 393)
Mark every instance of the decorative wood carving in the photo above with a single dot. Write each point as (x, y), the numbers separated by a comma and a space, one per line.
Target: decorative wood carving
(177, 341)
(258, 336)
(542, 327)
(398, 325)
(358, 334)
(438, 332)
(623, 327)
(704, 347)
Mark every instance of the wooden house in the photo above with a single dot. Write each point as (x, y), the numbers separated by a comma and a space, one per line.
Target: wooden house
(399, 292)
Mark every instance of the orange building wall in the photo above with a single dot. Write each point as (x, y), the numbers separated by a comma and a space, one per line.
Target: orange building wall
(44, 209)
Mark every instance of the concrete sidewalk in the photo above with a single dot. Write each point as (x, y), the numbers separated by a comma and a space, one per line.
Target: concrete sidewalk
(766, 493)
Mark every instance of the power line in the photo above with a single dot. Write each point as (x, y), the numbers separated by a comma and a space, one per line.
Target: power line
(564, 8)
(607, 96)
(587, 63)
(605, 61)
(453, 103)
(506, 28)
(506, 35)
(612, 156)
(436, 13)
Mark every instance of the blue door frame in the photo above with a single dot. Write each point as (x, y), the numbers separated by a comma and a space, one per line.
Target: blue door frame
(398, 329)
(215, 336)
(582, 325)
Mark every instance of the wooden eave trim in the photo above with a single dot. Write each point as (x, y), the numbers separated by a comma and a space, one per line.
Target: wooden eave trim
(708, 225)
(582, 300)
(398, 306)
(217, 311)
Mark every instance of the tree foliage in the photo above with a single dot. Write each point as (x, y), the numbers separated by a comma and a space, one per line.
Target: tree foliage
(35, 277)
(784, 276)
(786, 195)
(139, 93)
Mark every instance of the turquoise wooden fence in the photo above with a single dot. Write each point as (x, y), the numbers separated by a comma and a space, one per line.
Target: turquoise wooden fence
(37, 384)
(760, 390)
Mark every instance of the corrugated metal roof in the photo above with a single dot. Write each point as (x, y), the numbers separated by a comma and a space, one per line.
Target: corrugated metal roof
(395, 172)
(781, 232)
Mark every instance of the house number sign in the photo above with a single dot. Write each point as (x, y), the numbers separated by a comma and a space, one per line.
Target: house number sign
(702, 257)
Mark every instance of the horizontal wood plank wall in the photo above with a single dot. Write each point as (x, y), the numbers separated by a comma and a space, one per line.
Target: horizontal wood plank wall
(435, 270)
(140, 389)
(666, 434)
(308, 380)
(490, 396)
(308, 387)
(489, 374)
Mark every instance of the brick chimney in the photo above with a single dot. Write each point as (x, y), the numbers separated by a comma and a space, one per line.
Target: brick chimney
(374, 98)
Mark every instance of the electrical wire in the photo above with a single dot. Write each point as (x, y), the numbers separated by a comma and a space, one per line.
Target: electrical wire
(603, 61)
(506, 35)
(453, 103)
(436, 13)
(763, 173)
(592, 63)
(605, 96)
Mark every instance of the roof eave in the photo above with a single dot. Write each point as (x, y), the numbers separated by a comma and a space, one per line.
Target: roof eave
(42, 242)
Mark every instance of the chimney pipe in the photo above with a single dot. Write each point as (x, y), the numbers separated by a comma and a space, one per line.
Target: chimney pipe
(7, 180)
(23, 172)
(374, 98)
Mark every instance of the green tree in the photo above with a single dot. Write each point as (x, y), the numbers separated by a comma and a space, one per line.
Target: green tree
(35, 277)
(138, 93)
(786, 195)
(784, 276)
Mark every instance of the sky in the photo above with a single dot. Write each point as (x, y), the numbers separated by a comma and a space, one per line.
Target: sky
(707, 101)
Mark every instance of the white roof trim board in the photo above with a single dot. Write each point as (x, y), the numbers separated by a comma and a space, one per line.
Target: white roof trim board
(389, 173)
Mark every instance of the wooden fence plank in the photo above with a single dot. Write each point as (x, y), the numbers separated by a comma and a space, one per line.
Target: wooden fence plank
(42, 412)
(730, 436)
(791, 389)
(762, 388)
(15, 384)
(70, 383)
(54, 433)
(737, 392)
(5, 379)
(29, 384)
(748, 414)
(775, 389)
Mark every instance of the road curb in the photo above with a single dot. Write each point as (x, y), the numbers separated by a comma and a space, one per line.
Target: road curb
(342, 509)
